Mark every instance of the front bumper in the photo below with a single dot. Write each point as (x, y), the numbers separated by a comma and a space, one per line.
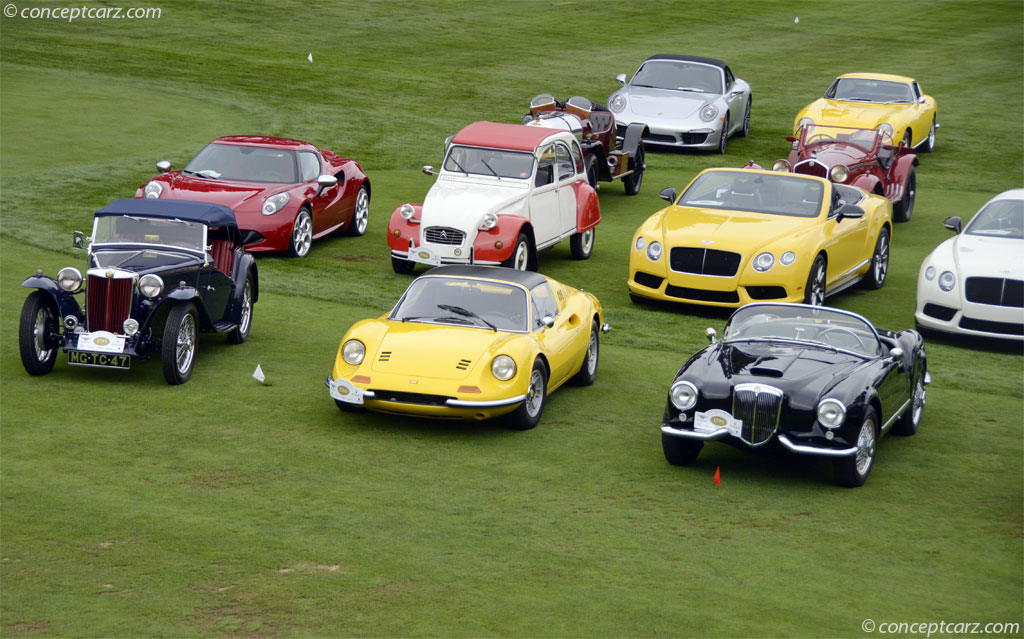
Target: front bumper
(711, 291)
(457, 406)
(705, 136)
(101, 349)
(428, 255)
(786, 442)
(951, 314)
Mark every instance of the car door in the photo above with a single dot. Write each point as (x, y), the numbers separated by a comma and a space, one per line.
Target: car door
(326, 212)
(567, 175)
(544, 206)
(892, 382)
(556, 341)
(215, 290)
(921, 124)
(844, 241)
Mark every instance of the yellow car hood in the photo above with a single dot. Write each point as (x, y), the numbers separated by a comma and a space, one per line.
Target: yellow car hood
(836, 112)
(738, 231)
(440, 352)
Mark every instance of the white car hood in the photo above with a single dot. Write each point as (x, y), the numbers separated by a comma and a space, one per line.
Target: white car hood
(665, 103)
(984, 256)
(461, 203)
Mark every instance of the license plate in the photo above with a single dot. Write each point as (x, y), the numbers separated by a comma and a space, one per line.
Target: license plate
(99, 360)
(344, 391)
(424, 255)
(715, 419)
(101, 342)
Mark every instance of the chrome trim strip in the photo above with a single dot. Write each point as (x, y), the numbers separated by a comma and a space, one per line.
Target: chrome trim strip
(842, 279)
(465, 403)
(815, 450)
(896, 415)
(693, 434)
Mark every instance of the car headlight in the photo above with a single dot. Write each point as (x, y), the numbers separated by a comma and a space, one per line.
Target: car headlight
(683, 395)
(503, 367)
(804, 122)
(151, 285)
(153, 190)
(839, 173)
(618, 103)
(353, 352)
(70, 279)
(406, 211)
(782, 166)
(929, 273)
(709, 112)
(831, 413)
(947, 281)
(763, 262)
(488, 221)
(886, 129)
(275, 203)
(787, 258)
(641, 242)
(654, 251)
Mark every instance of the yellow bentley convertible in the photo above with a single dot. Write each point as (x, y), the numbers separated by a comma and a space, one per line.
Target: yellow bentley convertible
(471, 342)
(737, 236)
(894, 104)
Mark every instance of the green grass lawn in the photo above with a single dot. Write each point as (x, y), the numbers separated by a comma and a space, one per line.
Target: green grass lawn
(226, 507)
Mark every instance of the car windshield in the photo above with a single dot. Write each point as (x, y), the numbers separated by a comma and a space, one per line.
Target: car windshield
(1002, 218)
(679, 76)
(867, 90)
(239, 163)
(813, 326)
(494, 162)
(742, 190)
(863, 139)
(128, 229)
(464, 302)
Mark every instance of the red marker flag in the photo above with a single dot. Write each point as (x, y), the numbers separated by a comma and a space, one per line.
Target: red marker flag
(718, 475)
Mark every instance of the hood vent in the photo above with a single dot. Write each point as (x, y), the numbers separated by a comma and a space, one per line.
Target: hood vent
(463, 364)
(765, 372)
(385, 356)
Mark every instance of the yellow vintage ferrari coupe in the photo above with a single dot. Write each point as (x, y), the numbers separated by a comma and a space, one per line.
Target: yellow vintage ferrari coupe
(893, 104)
(471, 342)
(737, 236)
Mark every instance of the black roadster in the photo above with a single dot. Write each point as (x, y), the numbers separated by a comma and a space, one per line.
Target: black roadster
(160, 272)
(809, 379)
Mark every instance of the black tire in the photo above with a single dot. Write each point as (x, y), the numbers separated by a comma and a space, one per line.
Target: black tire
(902, 210)
(591, 165)
(588, 369)
(879, 268)
(528, 414)
(929, 143)
(178, 351)
(345, 407)
(723, 143)
(680, 451)
(402, 267)
(908, 139)
(910, 420)
(361, 214)
(581, 245)
(302, 234)
(240, 333)
(745, 131)
(633, 181)
(521, 252)
(853, 471)
(38, 324)
(814, 291)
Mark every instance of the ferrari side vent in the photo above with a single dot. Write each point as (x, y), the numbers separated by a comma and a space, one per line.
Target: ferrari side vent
(463, 364)
(385, 356)
(759, 407)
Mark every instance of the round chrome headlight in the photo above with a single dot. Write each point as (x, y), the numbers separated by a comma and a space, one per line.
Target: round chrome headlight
(353, 352)
(782, 166)
(708, 112)
(947, 281)
(929, 273)
(839, 173)
(503, 367)
(70, 279)
(153, 190)
(763, 262)
(787, 258)
(641, 242)
(406, 211)
(617, 103)
(488, 221)
(654, 251)
(130, 327)
(275, 203)
(804, 122)
(831, 413)
(683, 395)
(151, 285)
(886, 129)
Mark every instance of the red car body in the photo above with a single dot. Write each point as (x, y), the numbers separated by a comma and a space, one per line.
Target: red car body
(330, 208)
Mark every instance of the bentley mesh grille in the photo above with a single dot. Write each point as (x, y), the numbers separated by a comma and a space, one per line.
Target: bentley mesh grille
(702, 261)
(995, 291)
(108, 303)
(444, 235)
(759, 407)
(988, 326)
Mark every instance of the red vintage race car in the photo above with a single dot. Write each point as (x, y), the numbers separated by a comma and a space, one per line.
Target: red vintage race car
(594, 128)
(865, 158)
(284, 193)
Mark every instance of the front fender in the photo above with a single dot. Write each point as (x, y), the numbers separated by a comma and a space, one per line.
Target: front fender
(867, 182)
(66, 304)
(485, 247)
(631, 141)
(901, 168)
(405, 229)
(588, 209)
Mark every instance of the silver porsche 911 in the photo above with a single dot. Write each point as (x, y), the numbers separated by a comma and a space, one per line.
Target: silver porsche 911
(685, 101)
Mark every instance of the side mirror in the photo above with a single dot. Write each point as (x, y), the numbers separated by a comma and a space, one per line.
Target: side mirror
(621, 78)
(163, 166)
(711, 334)
(954, 224)
(668, 194)
(429, 170)
(78, 240)
(790, 138)
(547, 321)
(325, 182)
(851, 211)
(896, 353)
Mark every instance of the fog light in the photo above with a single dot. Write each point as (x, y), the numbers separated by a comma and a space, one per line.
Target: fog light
(397, 233)
(498, 244)
(70, 322)
(130, 327)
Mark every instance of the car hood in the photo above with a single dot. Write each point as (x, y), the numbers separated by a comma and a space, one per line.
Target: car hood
(833, 154)
(434, 351)
(838, 112)
(728, 230)
(460, 204)
(239, 196)
(983, 256)
(665, 103)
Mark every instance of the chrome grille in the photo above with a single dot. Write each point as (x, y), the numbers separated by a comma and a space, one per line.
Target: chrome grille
(811, 167)
(444, 235)
(108, 303)
(759, 407)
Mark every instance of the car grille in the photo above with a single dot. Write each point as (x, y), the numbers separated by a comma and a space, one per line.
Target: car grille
(660, 137)
(938, 311)
(995, 291)
(444, 235)
(766, 292)
(811, 167)
(108, 303)
(725, 297)
(988, 326)
(693, 138)
(702, 261)
(422, 399)
(759, 407)
(648, 280)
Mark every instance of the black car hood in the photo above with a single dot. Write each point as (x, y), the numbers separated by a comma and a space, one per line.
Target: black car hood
(145, 261)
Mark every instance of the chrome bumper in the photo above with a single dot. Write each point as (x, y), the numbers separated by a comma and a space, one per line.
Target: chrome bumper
(453, 403)
(694, 434)
(785, 441)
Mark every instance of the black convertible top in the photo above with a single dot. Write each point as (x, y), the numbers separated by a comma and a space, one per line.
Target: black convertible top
(529, 279)
(688, 58)
(205, 212)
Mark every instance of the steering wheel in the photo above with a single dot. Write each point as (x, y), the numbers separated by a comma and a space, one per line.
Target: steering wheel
(824, 137)
(844, 331)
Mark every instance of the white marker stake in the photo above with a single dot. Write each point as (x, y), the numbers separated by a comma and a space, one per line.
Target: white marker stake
(258, 374)
(310, 56)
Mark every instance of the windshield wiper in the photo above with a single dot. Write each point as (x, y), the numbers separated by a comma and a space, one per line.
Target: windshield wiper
(458, 310)
(452, 158)
(491, 169)
(692, 89)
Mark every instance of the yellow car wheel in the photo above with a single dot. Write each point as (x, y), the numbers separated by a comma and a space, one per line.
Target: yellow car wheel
(529, 412)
